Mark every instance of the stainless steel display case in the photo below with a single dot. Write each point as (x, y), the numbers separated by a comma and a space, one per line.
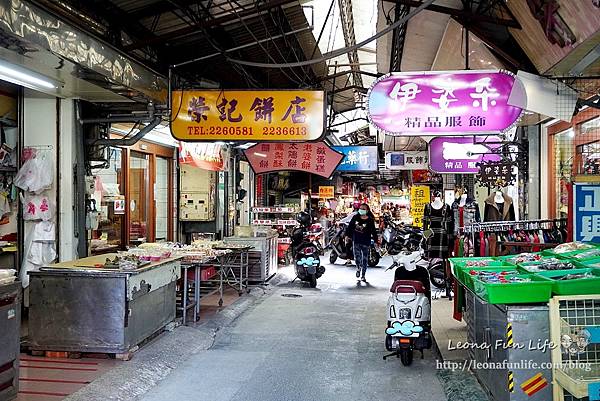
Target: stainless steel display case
(518, 367)
(77, 308)
(10, 327)
(262, 260)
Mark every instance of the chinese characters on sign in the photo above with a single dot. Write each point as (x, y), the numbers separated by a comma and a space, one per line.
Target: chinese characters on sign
(442, 103)
(358, 158)
(214, 115)
(316, 157)
(326, 192)
(409, 160)
(461, 154)
(586, 213)
(498, 174)
(419, 197)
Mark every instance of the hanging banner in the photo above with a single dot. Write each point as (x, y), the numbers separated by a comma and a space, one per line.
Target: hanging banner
(461, 154)
(497, 174)
(358, 158)
(586, 219)
(316, 158)
(249, 116)
(442, 103)
(415, 160)
(207, 156)
(419, 197)
(326, 192)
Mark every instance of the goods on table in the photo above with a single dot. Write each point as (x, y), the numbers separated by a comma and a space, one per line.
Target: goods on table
(592, 253)
(523, 257)
(125, 261)
(7, 276)
(520, 289)
(504, 276)
(572, 246)
(574, 282)
(547, 264)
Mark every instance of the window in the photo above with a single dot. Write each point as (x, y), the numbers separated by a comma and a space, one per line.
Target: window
(161, 199)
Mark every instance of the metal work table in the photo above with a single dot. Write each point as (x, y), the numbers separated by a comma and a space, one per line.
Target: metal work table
(81, 307)
(10, 326)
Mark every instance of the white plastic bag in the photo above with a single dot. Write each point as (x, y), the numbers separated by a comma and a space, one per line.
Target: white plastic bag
(36, 175)
(37, 207)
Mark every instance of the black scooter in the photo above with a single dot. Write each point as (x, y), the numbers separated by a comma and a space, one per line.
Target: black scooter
(307, 263)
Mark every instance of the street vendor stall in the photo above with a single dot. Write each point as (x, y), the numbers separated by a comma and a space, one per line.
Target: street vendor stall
(105, 303)
(511, 327)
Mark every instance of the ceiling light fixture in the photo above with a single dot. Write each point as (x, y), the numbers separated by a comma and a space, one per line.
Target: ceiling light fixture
(24, 77)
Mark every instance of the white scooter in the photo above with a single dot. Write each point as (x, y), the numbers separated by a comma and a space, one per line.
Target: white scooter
(408, 308)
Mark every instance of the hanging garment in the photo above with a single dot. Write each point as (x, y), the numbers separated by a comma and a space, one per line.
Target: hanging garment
(492, 242)
(482, 241)
(441, 223)
(461, 247)
(492, 211)
(465, 215)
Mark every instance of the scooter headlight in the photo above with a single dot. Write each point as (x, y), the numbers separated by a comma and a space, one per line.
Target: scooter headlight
(392, 312)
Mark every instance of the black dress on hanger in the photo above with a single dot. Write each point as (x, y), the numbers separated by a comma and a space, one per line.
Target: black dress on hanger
(441, 223)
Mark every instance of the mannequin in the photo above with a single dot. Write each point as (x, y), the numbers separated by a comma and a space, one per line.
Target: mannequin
(437, 203)
(463, 200)
(438, 219)
(499, 207)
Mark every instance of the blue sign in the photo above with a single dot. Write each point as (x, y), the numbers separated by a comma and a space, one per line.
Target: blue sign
(594, 391)
(358, 158)
(586, 212)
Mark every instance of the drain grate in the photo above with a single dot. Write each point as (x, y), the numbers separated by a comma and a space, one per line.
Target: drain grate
(291, 295)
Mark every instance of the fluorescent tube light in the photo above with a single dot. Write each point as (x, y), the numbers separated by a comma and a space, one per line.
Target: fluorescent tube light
(24, 77)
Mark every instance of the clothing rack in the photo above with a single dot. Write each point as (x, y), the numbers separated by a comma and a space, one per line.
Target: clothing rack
(498, 226)
(492, 226)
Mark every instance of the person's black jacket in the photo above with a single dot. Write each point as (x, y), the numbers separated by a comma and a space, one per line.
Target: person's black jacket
(362, 231)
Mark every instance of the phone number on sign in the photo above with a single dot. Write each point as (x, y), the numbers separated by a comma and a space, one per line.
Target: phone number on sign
(246, 131)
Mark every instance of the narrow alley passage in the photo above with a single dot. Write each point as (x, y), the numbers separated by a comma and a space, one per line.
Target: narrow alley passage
(326, 344)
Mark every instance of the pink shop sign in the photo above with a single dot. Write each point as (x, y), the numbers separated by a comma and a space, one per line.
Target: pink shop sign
(443, 103)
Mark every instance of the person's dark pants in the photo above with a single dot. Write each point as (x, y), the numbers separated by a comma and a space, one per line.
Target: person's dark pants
(361, 257)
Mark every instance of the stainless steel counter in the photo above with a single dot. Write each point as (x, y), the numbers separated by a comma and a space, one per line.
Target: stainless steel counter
(76, 306)
(10, 327)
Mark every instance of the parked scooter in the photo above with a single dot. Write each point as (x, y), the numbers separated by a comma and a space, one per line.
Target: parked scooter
(408, 308)
(342, 249)
(307, 263)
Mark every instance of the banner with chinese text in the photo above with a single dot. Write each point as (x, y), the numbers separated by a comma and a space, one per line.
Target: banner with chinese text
(268, 115)
(358, 158)
(407, 160)
(586, 218)
(326, 192)
(461, 154)
(443, 103)
(316, 158)
(419, 197)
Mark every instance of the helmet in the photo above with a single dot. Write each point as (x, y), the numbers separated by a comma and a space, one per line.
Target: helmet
(303, 218)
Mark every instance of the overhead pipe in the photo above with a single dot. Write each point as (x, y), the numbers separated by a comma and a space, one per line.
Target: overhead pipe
(129, 141)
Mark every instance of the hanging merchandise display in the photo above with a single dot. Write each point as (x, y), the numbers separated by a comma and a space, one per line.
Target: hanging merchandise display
(316, 158)
(263, 115)
(443, 103)
(465, 212)
(499, 207)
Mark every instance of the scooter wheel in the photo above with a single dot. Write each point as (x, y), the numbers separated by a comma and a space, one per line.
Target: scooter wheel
(437, 279)
(406, 356)
(313, 281)
(333, 256)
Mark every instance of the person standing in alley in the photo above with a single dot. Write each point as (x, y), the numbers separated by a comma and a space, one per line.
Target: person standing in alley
(363, 232)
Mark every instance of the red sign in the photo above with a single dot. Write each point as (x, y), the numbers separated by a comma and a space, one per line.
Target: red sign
(312, 157)
(207, 156)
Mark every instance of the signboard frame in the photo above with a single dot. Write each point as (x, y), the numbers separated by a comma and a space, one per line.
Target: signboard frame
(177, 109)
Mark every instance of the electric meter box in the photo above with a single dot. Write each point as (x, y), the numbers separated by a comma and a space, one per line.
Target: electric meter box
(197, 194)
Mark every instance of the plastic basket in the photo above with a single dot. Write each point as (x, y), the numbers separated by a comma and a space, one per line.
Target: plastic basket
(582, 286)
(534, 267)
(469, 278)
(593, 263)
(539, 289)
(582, 254)
(460, 265)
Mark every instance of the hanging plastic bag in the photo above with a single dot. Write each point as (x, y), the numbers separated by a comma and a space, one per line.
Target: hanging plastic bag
(26, 175)
(37, 207)
(5, 150)
(36, 175)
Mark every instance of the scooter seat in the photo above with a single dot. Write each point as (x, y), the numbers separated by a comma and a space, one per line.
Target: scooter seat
(407, 286)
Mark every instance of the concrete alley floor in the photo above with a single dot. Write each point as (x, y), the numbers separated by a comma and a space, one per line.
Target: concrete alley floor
(325, 345)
